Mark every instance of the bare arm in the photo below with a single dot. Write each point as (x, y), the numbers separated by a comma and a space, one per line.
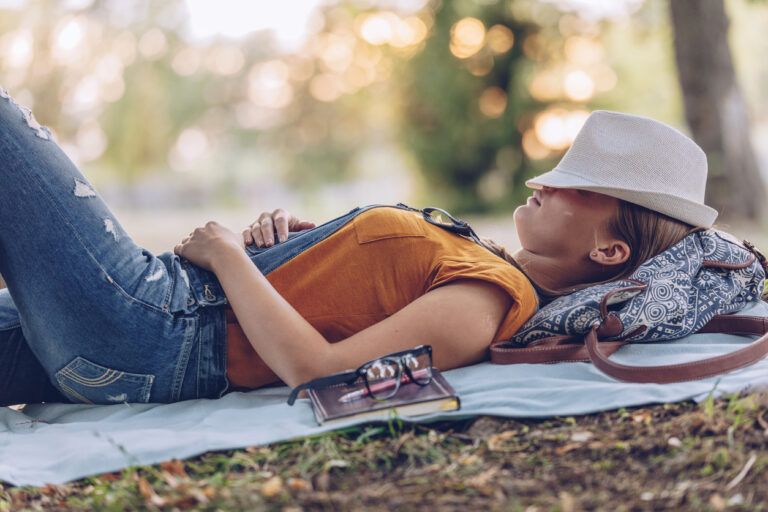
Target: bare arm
(459, 320)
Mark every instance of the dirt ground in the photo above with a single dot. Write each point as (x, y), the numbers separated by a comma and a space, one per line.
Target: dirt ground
(710, 456)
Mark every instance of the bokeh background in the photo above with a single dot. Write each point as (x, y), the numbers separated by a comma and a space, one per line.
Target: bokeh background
(181, 111)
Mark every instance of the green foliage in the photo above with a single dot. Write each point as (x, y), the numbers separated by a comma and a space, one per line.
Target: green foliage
(456, 145)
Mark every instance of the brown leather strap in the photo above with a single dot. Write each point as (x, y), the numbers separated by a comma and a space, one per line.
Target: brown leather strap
(546, 353)
(562, 349)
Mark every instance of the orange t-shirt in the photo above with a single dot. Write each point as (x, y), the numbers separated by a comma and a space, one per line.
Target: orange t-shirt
(376, 264)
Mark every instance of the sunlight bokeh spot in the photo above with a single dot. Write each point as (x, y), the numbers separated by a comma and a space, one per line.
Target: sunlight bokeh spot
(268, 84)
(551, 129)
(187, 61)
(582, 51)
(256, 117)
(605, 78)
(109, 68)
(500, 39)
(18, 48)
(493, 102)
(325, 87)
(418, 29)
(546, 85)
(124, 46)
(338, 53)
(467, 37)
(301, 69)
(84, 96)
(67, 39)
(153, 44)
(357, 77)
(225, 60)
(112, 90)
(91, 140)
(480, 64)
(579, 86)
(191, 146)
(376, 28)
(532, 147)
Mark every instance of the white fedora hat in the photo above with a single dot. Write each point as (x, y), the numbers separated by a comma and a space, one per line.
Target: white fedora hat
(639, 160)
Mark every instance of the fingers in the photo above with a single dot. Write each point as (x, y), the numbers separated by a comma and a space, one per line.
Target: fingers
(281, 219)
(302, 224)
(262, 232)
(267, 227)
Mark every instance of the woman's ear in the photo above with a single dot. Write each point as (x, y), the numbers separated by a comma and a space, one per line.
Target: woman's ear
(614, 253)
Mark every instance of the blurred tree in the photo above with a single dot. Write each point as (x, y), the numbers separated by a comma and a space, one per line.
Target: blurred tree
(463, 96)
(714, 107)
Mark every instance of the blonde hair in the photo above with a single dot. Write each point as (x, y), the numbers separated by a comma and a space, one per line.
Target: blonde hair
(646, 232)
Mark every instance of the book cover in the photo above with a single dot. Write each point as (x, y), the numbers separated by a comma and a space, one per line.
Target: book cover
(410, 400)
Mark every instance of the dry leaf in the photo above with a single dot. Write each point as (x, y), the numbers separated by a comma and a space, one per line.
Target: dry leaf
(717, 502)
(299, 485)
(175, 467)
(272, 487)
(582, 436)
(641, 417)
(567, 502)
(149, 493)
(482, 479)
(171, 480)
(496, 440)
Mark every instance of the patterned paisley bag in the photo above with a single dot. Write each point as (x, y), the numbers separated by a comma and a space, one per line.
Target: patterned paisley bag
(691, 287)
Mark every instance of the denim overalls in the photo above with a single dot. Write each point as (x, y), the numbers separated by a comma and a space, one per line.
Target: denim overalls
(88, 315)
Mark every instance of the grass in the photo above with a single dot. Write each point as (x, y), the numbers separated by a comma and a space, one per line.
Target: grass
(708, 456)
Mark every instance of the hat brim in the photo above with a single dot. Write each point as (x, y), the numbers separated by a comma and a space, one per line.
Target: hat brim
(690, 212)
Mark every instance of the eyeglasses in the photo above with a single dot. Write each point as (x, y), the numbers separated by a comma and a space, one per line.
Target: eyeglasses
(435, 216)
(380, 377)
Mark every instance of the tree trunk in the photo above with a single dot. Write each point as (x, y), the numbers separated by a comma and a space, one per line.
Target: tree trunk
(714, 107)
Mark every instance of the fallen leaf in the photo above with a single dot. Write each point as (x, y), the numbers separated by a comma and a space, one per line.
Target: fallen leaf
(171, 480)
(175, 467)
(272, 487)
(482, 479)
(567, 502)
(582, 436)
(717, 502)
(299, 485)
(469, 459)
(641, 417)
(497, 440)
(149, 493)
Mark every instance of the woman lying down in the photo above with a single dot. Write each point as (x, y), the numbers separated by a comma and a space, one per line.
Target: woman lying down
(88, 316)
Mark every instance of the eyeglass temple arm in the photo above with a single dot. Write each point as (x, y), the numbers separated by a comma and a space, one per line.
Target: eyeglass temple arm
(328, 380)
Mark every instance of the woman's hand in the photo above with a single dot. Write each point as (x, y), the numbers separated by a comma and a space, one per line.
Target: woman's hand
(206, 244)
(262, 232)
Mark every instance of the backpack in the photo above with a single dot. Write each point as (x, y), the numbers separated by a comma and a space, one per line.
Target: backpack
(691, 287)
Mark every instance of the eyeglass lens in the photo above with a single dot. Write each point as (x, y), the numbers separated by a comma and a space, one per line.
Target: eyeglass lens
(384, 376)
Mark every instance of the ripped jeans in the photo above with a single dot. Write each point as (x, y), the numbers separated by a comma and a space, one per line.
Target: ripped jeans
(88, 315)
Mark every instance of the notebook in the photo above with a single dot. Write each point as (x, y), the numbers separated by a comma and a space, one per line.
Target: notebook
(410, 400)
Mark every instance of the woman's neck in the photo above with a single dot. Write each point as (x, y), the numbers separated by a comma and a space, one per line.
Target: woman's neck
(555, 276)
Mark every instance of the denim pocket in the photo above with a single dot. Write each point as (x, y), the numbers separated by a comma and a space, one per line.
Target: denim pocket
(86, 382)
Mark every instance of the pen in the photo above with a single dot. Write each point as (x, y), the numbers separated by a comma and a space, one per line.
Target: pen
(360, 393)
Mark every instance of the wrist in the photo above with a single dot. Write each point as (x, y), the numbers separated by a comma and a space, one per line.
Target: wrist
(227, 255)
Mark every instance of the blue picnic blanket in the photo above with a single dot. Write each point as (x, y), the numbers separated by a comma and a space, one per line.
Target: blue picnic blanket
(56, 443)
